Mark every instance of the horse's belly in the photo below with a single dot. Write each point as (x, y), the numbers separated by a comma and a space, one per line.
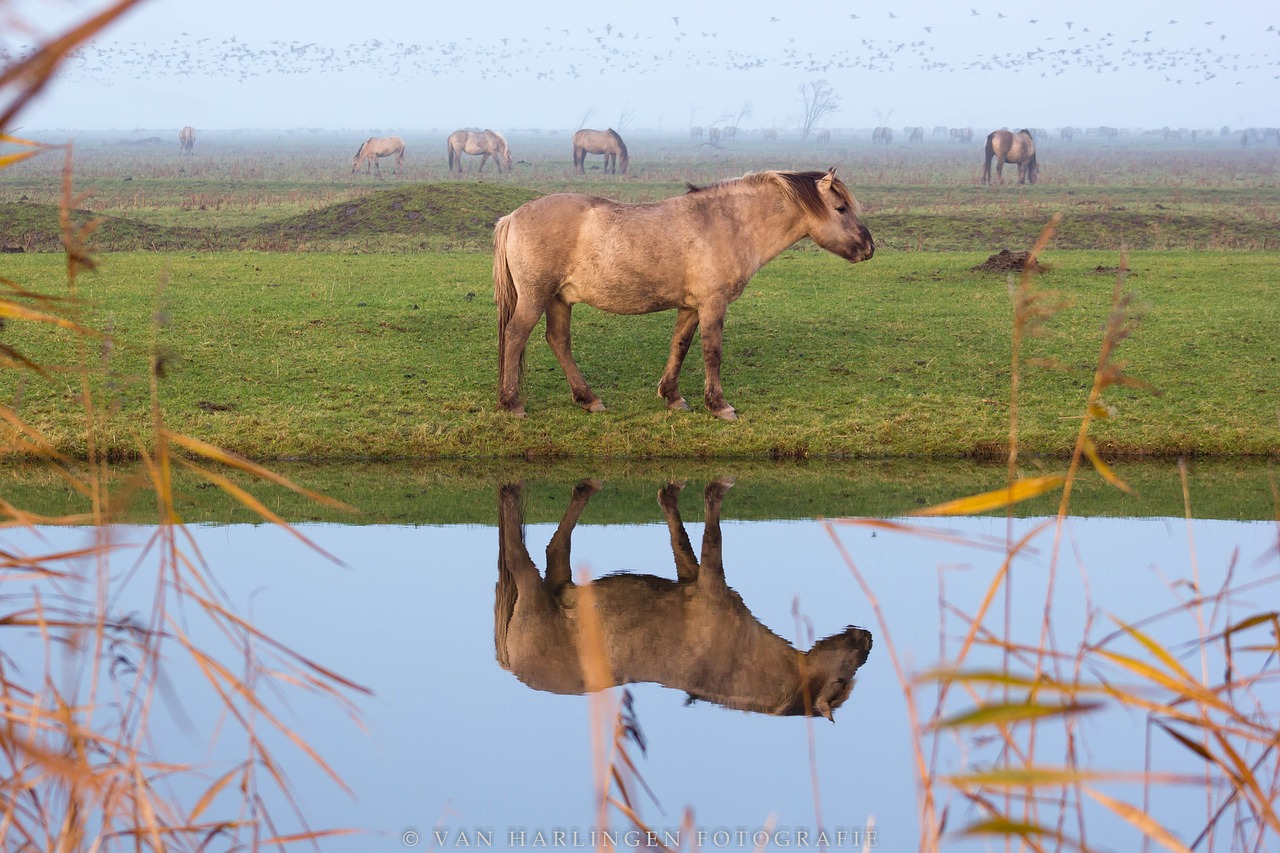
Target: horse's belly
(619, 298)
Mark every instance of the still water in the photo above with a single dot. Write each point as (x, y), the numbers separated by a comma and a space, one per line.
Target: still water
(474, 732)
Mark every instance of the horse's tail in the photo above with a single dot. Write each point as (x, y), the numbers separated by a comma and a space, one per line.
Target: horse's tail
(506, 592)
(449, 146)
(504, 292)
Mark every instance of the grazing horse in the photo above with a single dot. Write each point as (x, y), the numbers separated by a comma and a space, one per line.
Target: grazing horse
(882, 135)
(695, 132)
(1008, 147)
(694, 633)
(693, 253)
(486, 143)
(915, 134)
(824, 136)
(187, 140)
(962, 134)
(374, 149)
(770, 133)
(713, 136)
(606, 142)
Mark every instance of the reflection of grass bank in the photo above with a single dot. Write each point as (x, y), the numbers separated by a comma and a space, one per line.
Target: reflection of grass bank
(463, 492)
(392, 356)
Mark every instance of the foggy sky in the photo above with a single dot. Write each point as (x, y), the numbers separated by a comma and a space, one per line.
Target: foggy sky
(404, 65)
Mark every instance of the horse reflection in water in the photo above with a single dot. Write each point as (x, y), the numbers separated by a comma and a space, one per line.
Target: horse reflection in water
(693, 634)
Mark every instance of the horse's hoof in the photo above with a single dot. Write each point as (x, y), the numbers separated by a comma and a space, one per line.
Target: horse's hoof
(726, 414)
(677, 405)
(514, 411)
(594, 406)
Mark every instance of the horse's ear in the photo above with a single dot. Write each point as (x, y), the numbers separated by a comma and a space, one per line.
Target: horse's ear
(824, 183)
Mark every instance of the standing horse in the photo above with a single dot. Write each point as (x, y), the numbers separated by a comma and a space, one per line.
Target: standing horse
(375, 148)
(1008, 147)
(882, 135)
(187, 140)
(606, 142)
(486, 143)
(694, 633)
(693, 253)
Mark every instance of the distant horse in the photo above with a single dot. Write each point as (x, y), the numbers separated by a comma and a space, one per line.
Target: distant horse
(693, 253)
(486, 143)
(915, 134)
(1067, 134)
(695, 132)
(962, 134)
(769, 133)
(1008, 147)
(187, 140)
(730, 132)
(374, 149)
(824, 136)
(606, 142)
(693, 633)
(713, 136)
(882, 135)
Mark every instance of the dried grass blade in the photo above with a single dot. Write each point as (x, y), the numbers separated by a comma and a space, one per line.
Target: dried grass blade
(1020, 490)
(1026, 831)
(16, 157)
(234, 460)
(1014, 712)
(1139, 819)
(254, 504)
(1091, 451)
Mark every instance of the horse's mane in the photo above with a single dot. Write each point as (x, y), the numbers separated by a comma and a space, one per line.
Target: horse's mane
(800, 188)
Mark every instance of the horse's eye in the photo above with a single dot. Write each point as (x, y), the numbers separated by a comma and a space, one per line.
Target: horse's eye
(841, 208)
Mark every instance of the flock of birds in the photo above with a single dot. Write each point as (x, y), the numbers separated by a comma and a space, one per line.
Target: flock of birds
(1184, 52)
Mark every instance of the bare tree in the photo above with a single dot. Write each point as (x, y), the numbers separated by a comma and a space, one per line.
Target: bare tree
(818, 100)
(744, 113)
(625, 117)
(586, 117)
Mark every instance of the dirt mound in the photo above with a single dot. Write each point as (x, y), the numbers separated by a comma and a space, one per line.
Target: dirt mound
(1006, 261)
(462, 212)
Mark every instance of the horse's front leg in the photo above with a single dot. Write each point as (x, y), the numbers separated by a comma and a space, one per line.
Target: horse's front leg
(558, 315)
(483, 158)
(669, 385)
(712, 322)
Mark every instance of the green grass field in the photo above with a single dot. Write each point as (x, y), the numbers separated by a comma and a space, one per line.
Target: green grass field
(303, 312)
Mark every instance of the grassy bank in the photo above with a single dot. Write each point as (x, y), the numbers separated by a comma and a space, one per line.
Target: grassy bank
(462, 492)
(329, 356)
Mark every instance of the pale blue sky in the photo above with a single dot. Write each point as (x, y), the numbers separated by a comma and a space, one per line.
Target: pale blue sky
(665, 64)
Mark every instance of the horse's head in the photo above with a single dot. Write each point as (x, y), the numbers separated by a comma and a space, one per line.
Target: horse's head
(833, 218)
(1033, 170)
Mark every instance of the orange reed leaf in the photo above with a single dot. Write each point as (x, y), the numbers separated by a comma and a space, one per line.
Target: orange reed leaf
(1140, 820)
(1091, 451)
(1157, 650)
(217, 454)
(16, 157)
(254, 504)
(1020, 490)
(212, 791)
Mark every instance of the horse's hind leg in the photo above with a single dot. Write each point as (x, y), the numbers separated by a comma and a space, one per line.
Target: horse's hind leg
(483, 157)
(514, 339)
(558, 315)
(669, 385)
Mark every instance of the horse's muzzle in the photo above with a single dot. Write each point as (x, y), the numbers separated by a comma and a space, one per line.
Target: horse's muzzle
(863, 247)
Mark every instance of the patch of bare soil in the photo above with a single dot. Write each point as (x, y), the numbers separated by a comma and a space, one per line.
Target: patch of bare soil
(1006, 261)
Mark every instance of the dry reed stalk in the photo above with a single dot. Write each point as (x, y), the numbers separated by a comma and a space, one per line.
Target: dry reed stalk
(1228, 723)
(76, 766)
